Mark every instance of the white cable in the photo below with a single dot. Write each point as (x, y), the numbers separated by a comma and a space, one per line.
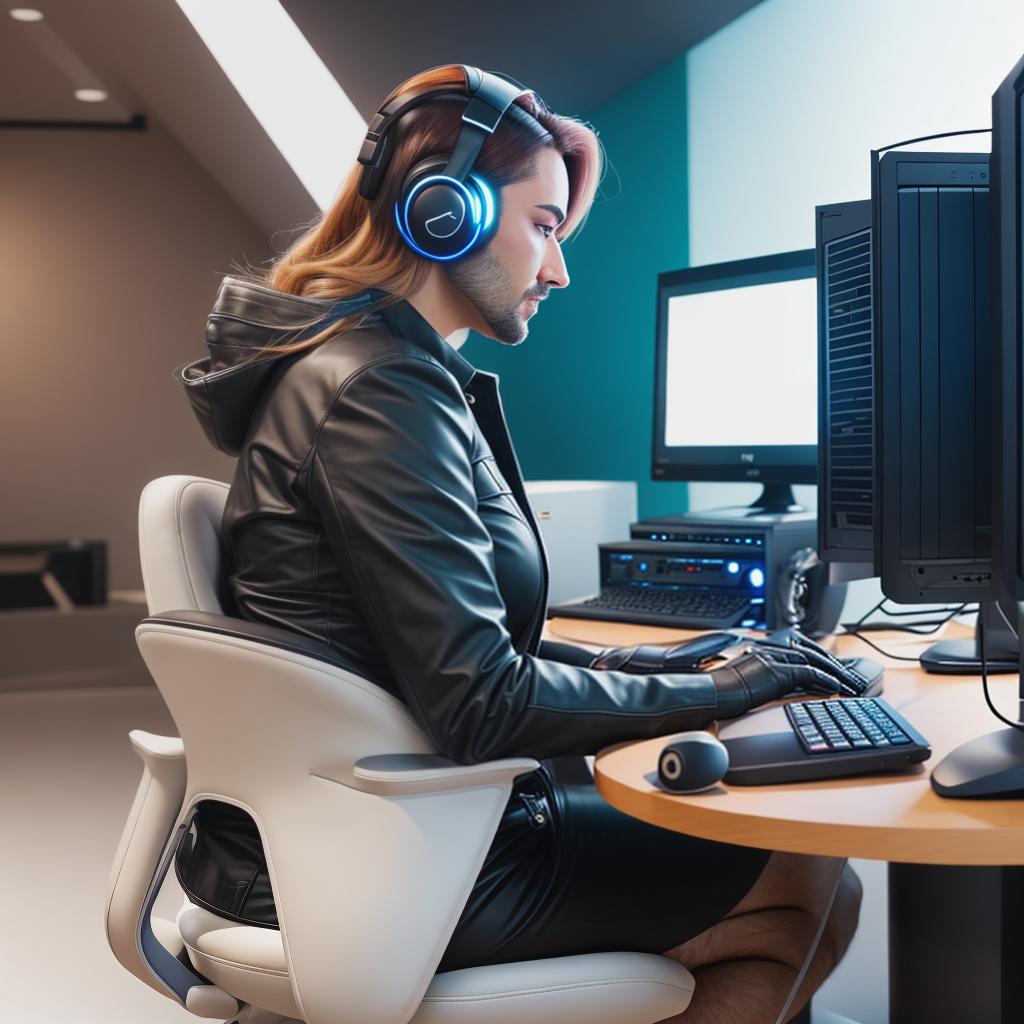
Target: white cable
(781, 1019)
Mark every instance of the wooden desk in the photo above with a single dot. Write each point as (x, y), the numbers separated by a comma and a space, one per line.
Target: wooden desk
(956, 893)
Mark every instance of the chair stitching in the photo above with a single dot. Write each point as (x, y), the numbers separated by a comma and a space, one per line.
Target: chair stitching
(236, 963)
(555, 988)
(179, 497)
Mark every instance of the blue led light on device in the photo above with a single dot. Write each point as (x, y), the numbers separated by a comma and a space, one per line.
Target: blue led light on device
(485, 191)
(756, 577)
(472, 205)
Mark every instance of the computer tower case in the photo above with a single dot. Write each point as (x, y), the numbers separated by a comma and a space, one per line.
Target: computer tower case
(846, 385)
(933, 338)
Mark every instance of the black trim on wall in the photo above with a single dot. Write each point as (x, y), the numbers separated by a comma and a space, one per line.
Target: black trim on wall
(136, 124)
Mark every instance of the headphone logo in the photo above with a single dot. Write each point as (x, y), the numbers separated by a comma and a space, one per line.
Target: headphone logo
(444, 225)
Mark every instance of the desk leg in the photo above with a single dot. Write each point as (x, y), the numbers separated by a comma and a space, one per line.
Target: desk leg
(956, 944)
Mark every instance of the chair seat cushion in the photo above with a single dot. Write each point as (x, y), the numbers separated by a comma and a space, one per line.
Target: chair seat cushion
(600, 988)
(246, 962)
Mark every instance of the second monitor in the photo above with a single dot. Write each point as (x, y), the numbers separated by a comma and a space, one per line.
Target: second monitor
(736, 376)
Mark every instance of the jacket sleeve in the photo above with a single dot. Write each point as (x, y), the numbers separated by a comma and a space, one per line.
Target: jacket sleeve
(568, 654)
(390, 474)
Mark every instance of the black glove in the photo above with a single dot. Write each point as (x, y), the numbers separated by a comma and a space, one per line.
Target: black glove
(640, 658)
(689, 656)
(763, 674)
(853, 683)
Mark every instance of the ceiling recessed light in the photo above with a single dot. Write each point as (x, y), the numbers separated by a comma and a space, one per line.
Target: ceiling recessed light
(26, 14)
(90, 95)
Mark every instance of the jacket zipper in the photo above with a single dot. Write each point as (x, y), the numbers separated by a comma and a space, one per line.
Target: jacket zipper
(537, 808)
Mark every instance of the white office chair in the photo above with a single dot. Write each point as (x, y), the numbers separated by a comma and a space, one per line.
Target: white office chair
(373, 841)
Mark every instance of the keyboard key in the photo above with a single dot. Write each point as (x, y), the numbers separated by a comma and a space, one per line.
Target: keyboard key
(852, 724)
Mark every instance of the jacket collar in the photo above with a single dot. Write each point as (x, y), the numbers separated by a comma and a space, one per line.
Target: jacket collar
(407, 322)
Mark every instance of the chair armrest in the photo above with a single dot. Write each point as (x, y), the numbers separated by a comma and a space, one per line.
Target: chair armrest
(409, 774)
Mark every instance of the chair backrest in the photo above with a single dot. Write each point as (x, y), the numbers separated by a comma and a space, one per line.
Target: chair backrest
(368, 887)
(179, 543)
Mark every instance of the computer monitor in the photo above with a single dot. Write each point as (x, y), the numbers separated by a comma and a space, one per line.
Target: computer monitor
(948, 513)
(1008, 341)
(993, 765)
(736, 386)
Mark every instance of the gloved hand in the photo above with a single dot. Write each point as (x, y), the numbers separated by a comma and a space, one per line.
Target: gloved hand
(853, 683)
(763, 674)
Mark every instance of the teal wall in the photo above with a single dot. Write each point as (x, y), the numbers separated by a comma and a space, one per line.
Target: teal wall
(578, 393)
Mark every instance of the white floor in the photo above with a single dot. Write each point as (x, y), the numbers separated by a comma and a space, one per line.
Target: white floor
(68, 778)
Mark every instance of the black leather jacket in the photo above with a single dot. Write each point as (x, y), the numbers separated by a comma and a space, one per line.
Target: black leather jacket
(377, 506)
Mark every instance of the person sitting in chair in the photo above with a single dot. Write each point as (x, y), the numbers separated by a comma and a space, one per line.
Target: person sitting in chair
(377, 506)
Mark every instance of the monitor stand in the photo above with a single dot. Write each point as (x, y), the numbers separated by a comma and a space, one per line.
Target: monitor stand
(990, 765)
(963, 657)
(776, 501)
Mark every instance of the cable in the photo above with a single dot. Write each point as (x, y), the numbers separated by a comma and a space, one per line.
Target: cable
(814, 946)
(870, 611)
(918, 611)
(928, 138)
(984, 678)
(951, 612)
(858, 629)
(934, 624)
(897, 657)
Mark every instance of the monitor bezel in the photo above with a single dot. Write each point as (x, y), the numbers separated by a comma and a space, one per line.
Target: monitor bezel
(759, 464)
(1008, 196)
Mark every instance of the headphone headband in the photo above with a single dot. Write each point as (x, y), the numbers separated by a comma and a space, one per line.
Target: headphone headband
(490, 96)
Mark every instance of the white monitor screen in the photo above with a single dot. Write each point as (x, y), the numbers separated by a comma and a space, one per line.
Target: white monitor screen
(742, 366)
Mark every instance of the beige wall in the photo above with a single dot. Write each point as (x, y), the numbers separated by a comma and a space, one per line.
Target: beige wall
(112, 245)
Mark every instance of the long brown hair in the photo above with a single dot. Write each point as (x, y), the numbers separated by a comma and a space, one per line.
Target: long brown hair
(355, 244)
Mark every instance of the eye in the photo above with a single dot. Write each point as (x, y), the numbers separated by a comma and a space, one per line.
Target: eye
(546, 228)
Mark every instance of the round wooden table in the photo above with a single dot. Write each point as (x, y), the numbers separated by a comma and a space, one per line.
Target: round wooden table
(895, 817)
(956, 891)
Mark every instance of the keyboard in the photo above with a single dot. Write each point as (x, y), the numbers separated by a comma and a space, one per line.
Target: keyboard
(693, 609)
(827, 738)
(825, 725)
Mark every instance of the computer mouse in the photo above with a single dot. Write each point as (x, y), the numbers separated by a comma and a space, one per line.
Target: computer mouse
(692, 761)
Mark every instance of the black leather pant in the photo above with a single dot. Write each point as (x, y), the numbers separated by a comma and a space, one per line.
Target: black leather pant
(568, 873)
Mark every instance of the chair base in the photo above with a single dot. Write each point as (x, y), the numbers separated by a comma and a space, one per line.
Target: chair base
(254, 1015)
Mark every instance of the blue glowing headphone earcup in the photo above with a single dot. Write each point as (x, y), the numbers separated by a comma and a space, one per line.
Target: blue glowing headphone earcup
(443, 218)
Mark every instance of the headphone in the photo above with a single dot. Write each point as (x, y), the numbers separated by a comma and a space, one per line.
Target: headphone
(444, 210)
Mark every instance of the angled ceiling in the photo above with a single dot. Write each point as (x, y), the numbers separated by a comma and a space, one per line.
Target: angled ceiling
(149, 59)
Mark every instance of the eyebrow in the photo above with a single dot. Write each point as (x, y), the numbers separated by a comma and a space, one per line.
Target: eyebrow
(551, 208)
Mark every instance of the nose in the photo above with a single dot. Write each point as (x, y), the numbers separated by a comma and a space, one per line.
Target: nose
(553, 271)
